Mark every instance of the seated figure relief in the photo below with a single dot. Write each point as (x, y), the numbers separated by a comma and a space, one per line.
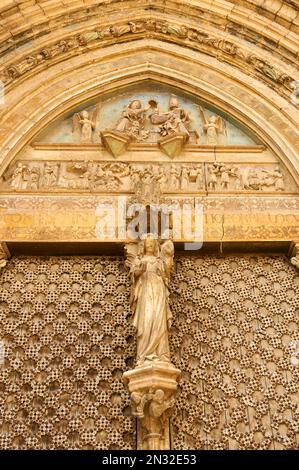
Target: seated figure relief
(175, 121)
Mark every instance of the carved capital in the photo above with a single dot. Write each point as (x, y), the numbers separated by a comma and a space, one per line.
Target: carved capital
(294, 254)
(152, 389)
(4, 254)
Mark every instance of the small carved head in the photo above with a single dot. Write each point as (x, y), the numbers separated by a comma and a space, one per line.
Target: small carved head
(136, 104)
(150, 244)
(84, 114)
(212, 119)
(159, 396)
(173, 102)
(136, 398)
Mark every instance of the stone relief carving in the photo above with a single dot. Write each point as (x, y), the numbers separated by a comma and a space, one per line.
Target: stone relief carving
(84, 124)
(145, 124)
(222, 176)
(145, 180)
(151, 265)
(150, 273)
(175, 121)
(153, 409)
(4, 254)
(294, 254)
(50, 175)
(20, 177)
(196, 38)
(132, 122)
(214, 127)
(172, 127)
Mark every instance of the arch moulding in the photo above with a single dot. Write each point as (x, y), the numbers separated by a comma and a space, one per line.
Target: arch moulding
(228, 218)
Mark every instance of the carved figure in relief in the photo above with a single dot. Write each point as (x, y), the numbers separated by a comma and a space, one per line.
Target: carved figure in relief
(195, 176)
(20, 177)
(4, 255)
(224, 179)
(135, 180)
(152, 408)
(214, 127)
(84, 124)
(132, 122)
(174, 178)
(278, 180)
(34, 178)
(224, 173)
(184, 177)
(162, 178)
(150, 273)
(50, 175)
(174, 121)
(154, 420)
(147, 180)
(212, 177)
(138, 401)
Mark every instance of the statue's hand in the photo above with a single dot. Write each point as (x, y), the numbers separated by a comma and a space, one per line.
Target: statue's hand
(169, 323)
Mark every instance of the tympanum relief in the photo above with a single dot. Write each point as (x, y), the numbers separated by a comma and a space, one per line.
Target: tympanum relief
(148, 115)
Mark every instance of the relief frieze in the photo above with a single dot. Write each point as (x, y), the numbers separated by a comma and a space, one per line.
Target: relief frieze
(124, 177)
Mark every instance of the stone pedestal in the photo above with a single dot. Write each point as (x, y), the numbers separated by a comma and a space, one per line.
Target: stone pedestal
(152, 387)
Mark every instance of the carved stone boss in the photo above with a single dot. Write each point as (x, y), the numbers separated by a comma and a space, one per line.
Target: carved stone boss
(153, 381)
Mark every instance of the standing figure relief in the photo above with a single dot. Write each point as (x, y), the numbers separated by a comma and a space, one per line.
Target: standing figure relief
(150, 271)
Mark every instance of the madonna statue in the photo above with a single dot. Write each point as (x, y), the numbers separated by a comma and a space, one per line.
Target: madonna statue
(151, 270)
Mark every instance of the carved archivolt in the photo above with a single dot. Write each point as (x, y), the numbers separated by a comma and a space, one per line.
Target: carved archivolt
(183, 34)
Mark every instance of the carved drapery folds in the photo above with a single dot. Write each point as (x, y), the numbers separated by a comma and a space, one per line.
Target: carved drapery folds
(4, 254)
(153, 381)
(172, 127)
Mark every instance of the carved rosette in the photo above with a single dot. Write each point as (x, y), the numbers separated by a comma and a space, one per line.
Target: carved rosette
(152, 388)
(4, 254)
